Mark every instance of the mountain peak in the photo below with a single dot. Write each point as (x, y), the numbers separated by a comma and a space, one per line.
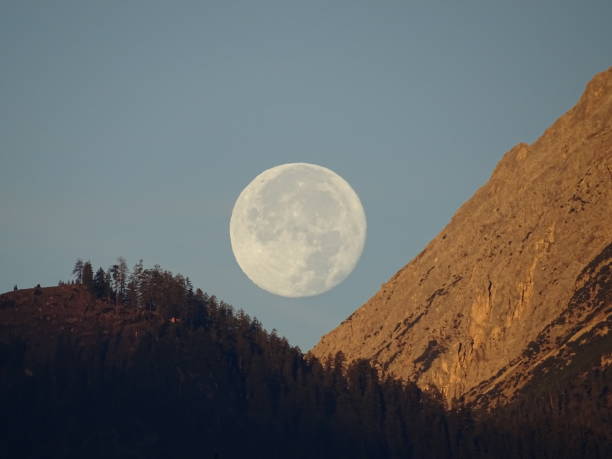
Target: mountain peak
(504, 268)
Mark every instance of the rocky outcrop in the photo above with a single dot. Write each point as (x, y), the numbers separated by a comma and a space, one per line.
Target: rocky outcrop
(505, 271)
(577, 342)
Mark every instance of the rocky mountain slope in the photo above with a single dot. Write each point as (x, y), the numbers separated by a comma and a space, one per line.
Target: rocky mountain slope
(518, 277)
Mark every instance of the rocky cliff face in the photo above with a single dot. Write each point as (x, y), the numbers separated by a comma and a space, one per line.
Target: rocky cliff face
(494, 294)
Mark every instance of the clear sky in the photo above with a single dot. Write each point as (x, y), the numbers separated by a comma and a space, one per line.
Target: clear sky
(130, 127)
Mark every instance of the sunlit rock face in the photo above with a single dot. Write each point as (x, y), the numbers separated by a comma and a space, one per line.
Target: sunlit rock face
(462, 314)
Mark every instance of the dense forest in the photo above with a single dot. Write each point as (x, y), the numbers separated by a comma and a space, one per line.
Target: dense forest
(171, 372)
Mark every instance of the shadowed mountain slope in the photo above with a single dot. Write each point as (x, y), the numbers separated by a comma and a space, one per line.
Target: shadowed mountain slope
(171, 373)
(83, 376)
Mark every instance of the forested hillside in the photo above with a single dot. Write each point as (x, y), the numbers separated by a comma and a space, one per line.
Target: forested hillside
(136, 364)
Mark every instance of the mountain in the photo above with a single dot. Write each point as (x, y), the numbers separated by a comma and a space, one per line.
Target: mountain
(183, 375)
(140, 366)
(517, 285)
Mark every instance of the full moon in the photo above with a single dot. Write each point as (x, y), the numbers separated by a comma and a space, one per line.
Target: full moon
(297, 230)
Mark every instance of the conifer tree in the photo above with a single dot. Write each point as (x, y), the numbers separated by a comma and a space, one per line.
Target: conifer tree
(135, 284)
(101, 288)
(77, 271)
(87, 275)
(118, 274)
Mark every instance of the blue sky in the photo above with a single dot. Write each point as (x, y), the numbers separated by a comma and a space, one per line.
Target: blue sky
(130, 127)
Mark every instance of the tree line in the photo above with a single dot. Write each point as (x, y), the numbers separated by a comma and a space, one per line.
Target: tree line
(153, 289)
